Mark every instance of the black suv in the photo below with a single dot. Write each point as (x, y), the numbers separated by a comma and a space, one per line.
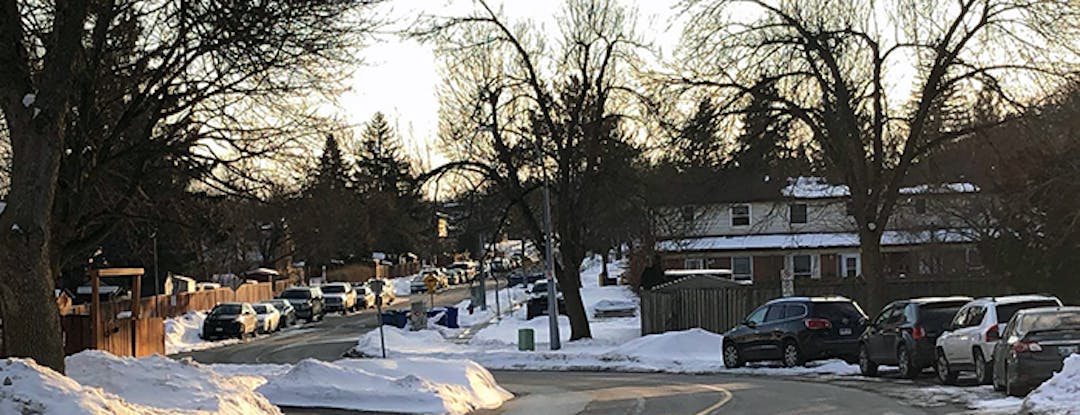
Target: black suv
(904, 334)
(537, 304)
(309, 302)
(795, 330)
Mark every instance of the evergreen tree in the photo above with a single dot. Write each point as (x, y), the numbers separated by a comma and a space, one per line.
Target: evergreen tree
(765, 145)
(331, 174)
(698, 144)
(381, 166)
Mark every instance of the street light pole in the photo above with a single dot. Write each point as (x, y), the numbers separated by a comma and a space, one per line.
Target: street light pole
(549, 270)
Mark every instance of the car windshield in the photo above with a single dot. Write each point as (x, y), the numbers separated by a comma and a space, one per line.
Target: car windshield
(296, 294)
(1065, 320)
(540, 287)
(837, 311)
(280, 304)
(1005, 312)
(934, 317)
(261, 308)
(225, 309)
(333, 289)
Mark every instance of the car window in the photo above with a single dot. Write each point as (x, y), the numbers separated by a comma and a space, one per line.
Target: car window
(296, 294)
(1006, 311)
(776, 312)
(225, 309)
(333, 289)
(975, 316)
(794, 311)
(1064, 320)
(758, 316)
(837, 311)
(884, 315)
(896, 316)
(960, 318)
(933, 317)
(261, 309)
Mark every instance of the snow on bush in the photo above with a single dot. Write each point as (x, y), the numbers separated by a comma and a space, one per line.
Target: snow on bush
(182, 334)
(30, 388)
(168, 384)
(1060, 394)
(402, 386)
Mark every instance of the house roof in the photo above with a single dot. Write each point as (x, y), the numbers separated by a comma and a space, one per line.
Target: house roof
(819, 188)
(699, 281)
(809, 240)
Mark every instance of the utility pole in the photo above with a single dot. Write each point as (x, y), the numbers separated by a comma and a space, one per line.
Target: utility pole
(549, 270)
(157, 277)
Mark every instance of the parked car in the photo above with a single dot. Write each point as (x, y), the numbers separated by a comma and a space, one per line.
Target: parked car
(388, 293)
(268, 317)
(904, 334)
(537, 303)
(308, 302)
(340, 297)
(968, 342)
(417, 285)
(1033, 347)
(288, 312)
(525, 279)
(795, 330)
(438, 273)
(227, 320)
(468, 269)
(365, 298)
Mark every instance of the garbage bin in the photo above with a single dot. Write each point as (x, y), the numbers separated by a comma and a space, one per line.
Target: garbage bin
(451, 317)
(526, 340)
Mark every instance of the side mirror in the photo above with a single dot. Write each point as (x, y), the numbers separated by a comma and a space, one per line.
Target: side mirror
(750, 323)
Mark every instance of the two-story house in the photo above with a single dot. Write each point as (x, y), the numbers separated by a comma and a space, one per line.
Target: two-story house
(803, 225)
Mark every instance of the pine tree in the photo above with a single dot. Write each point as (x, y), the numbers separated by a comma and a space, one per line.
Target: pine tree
(331, 174)
(381, 166)
(698, 143)
(765, 143)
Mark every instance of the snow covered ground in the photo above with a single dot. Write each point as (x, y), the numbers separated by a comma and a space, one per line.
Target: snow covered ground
(616, 345)
(99, 384)
(1058, 396)
(182, 334)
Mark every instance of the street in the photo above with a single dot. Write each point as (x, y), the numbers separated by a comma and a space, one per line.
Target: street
(598, 393)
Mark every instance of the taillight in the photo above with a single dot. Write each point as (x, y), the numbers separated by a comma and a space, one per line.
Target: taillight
(817, 324)
(1021, 347)
(917, 333)
(992, 334)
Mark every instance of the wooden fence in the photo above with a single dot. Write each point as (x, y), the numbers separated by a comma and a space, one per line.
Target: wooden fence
(719, 309)
(164, 306)
(121, 337)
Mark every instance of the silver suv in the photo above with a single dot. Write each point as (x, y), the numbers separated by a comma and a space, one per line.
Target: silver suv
(968, 341)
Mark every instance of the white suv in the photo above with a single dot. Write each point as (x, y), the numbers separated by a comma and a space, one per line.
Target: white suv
(340, 296)
(968, 342)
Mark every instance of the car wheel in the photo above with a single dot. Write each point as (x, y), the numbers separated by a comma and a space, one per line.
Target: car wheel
(999, 383)
(792, 355)
(866, 366)
(732, 358)
(945, 374)
(983, 370)
(903, 361)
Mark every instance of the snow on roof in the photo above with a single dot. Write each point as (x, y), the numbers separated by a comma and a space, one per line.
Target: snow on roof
(262, 271)
(104, 289)
(813, 188)
(809, 240)
(819, 188)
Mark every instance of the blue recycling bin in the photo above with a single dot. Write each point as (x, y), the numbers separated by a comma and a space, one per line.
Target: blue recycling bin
(448, 318)
(452, 317)
(395, 318)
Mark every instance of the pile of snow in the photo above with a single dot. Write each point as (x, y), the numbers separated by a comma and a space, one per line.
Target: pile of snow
(34, 389)
(507, 301)
(182, 334)
(405, 386)
(402, 286)
(171, 385)
(1060, 394)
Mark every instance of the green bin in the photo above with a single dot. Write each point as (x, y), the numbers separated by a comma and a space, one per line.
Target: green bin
(526, 340)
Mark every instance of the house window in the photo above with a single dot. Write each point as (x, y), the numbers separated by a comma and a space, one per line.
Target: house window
(920, 205)
(694, 263)
(740, 215)
(742, 268)
(797, 213)
(687, 213)
(973, 259)
(802, 266)
(850, 266)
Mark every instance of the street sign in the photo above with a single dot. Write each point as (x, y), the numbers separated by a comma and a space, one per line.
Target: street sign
(376, 286)
(431, 281)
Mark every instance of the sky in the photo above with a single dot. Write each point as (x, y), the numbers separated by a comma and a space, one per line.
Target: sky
(401, 77)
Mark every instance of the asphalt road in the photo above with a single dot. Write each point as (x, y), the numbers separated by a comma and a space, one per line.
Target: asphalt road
(324, 340)
(544, 393)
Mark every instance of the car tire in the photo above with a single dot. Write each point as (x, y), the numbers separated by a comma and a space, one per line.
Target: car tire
(867, 366)
(792, 356)
(999, 383)
(984, 372)
(908, 369)
(945, 374)
(732, 358)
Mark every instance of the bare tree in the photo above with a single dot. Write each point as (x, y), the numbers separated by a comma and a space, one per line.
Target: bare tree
(517, 111)
(96, 94)
(875, 86)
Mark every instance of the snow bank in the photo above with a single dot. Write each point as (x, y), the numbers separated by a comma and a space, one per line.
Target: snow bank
(401, 386)
(182, 334)
(34, 389)
(1060, 394)
(167, 384)
(402, 342)
(688, 344)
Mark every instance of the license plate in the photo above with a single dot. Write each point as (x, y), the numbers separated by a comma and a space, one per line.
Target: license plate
(218, 329)
(1068, 350)
(845, 332)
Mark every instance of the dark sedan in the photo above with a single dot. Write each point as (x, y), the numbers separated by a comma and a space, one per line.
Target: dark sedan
(795, 330)
(230, 320)
(1034, 345)
(904, 334)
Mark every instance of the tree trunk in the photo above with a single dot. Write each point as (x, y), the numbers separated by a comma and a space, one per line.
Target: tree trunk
(872, 270)
(570, 280)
